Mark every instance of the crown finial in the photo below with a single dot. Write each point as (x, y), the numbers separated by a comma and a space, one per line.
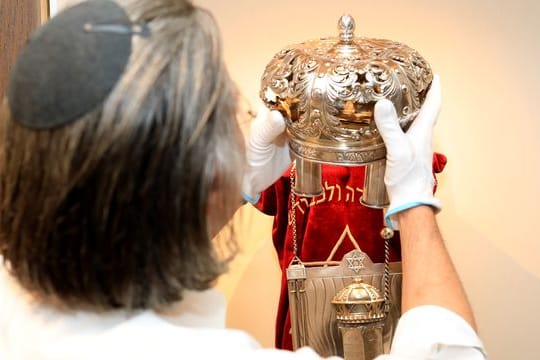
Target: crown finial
(346, 28)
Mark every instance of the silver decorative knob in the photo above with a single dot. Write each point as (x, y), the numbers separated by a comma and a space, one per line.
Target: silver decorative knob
(346, 28)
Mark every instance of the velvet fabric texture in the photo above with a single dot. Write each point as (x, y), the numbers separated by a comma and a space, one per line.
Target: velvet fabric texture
(320, 222)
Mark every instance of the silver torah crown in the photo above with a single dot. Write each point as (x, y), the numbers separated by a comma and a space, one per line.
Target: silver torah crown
(327, 89)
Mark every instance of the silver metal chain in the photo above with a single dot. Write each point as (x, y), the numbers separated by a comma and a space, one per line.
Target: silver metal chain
(387, 272)
(293, 211)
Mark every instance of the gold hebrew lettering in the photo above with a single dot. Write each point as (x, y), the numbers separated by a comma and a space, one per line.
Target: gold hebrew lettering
(331, 188)
(350, 193)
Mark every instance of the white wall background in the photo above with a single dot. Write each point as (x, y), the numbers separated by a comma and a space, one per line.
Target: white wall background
(488, 55)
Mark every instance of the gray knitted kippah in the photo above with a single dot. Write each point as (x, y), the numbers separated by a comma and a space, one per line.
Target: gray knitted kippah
(70, 65)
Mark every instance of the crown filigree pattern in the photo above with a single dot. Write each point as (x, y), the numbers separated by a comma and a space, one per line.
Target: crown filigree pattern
(327, 89)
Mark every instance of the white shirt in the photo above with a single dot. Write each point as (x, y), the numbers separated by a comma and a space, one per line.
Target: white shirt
(193, 328)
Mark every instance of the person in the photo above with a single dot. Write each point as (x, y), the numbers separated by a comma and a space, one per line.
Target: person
(120, 158)
(437, 321)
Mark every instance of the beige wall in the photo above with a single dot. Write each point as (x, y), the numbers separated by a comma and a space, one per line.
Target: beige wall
(487, 53)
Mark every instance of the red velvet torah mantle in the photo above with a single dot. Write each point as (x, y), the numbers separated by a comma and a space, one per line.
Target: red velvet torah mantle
(320, 223)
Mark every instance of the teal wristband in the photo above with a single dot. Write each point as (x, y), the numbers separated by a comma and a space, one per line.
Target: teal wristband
(251, 200)
(394, 211)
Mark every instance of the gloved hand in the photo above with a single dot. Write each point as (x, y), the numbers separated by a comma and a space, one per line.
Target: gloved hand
(409, 178)
(267, 153)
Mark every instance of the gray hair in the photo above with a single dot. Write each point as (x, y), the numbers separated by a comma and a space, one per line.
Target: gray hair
(118, 208)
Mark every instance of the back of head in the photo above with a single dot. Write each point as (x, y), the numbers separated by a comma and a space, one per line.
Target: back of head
(111, 208)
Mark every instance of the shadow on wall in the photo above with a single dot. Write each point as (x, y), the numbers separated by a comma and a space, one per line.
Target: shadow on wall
(253, 305)
(511, 291)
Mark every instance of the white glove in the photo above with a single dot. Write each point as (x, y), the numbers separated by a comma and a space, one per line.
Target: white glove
(267, 153)
(409, 177)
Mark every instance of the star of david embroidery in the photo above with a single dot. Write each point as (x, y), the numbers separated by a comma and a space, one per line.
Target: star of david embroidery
(356, 262)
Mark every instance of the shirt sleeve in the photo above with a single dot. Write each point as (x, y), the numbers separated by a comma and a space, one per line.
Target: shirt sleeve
(304, 353)
(433, 332)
